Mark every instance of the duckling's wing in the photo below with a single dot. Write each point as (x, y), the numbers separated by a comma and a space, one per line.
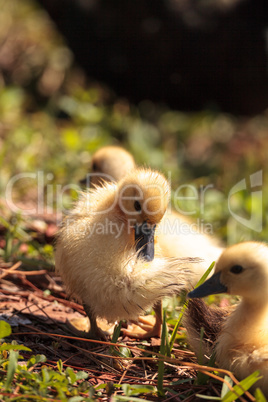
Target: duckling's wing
(198, 316)
(260, 358)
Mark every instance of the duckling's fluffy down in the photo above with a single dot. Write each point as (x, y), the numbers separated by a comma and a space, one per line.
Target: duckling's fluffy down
(122, 287)
(96, 257)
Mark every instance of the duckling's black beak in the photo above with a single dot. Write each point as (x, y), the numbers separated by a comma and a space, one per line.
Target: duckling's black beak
(212, 286)
(144, 238)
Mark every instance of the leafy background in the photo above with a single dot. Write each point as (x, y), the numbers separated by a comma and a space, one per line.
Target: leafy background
(53, 118)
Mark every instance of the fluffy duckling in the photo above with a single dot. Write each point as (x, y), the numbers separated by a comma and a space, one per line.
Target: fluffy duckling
(110, 163)
(241, 335)
(106, 255)
(175, 234)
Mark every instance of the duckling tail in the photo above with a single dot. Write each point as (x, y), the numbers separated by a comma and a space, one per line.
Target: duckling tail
(200, 316)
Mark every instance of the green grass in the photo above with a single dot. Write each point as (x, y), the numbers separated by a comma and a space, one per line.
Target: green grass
(24, 379)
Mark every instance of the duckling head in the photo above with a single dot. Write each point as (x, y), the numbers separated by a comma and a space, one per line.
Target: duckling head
(242, 270)
(143, 197)
(110, 163)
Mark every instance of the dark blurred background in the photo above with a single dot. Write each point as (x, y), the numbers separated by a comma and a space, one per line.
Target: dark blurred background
(188, 54)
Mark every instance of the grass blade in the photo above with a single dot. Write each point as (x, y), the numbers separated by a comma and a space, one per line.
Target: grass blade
(259, 396)
(243, 386)
(225, 389)
(12, 365)
(160, 379)
(175, 330)
(116, 333)
(205, 275)
(127, 399)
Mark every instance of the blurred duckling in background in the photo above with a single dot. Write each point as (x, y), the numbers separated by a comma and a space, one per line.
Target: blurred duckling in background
(110, 163)
(106, 255)
(240, 335)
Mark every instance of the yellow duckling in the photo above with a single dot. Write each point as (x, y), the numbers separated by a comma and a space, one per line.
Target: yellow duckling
(106, 255)
(241, 337)
(176, 233)
(110, 163)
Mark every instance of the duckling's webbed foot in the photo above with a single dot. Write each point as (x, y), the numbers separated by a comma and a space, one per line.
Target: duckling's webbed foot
(147, 326)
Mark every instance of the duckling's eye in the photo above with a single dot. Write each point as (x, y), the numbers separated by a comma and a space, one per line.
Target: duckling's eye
(236, 269)
(137, 206)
